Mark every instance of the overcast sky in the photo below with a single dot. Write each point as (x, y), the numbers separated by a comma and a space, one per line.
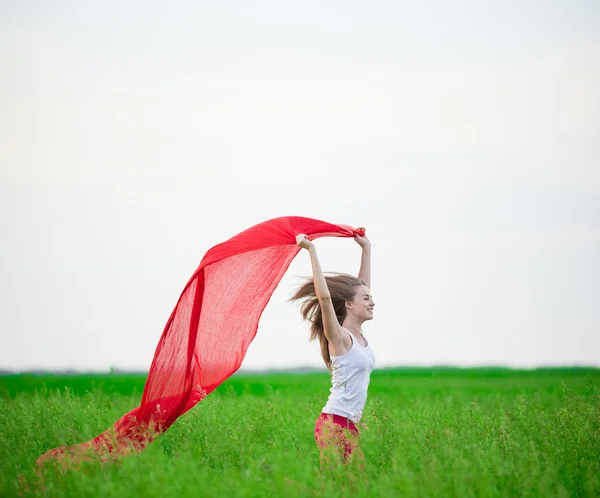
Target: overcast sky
(465, 136)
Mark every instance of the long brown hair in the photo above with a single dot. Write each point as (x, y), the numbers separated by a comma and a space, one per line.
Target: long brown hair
(342, 288)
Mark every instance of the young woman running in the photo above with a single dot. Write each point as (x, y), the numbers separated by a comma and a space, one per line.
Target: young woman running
(337, 306)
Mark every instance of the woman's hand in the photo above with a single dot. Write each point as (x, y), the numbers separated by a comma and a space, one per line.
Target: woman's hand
(363, 242)
(303, 241)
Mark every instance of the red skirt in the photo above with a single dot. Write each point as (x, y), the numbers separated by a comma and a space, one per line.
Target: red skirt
(336, 432)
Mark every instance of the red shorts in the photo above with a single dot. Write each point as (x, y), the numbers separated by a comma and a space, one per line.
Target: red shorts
(337, 432)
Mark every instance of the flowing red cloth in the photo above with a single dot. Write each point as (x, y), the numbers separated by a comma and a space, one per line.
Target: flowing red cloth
(209, 331)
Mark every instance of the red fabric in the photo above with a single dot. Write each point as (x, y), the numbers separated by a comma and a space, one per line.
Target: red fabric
(209, 331)
(336, 432)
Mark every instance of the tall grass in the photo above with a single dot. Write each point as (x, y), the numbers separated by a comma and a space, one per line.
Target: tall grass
(430, 432)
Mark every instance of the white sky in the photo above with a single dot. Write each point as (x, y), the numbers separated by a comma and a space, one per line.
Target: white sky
(134, 136)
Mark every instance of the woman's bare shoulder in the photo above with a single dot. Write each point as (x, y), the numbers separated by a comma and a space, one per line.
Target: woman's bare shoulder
(340, 342)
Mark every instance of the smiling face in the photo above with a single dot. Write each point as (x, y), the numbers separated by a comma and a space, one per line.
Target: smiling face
(362, 303)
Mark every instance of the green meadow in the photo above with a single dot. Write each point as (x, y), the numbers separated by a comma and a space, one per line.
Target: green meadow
(429, 432)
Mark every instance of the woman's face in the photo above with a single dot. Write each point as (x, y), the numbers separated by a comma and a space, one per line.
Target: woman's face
(362, 304)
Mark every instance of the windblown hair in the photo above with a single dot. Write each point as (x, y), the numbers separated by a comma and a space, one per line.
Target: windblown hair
(342, 288)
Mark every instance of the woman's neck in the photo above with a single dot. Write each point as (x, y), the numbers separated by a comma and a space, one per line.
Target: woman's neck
(354, 325)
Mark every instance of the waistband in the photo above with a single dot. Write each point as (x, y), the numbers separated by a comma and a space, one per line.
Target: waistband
(339, 420)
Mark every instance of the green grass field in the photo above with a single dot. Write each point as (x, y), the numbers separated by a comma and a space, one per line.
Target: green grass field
(431, 432)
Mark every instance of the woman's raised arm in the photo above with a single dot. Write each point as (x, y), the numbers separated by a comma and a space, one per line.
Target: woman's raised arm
(331, 327)
(365, 261)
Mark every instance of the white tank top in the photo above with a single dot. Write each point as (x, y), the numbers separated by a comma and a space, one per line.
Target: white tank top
(350, 375)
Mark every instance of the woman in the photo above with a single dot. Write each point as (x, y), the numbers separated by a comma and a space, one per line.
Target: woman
(337, 306)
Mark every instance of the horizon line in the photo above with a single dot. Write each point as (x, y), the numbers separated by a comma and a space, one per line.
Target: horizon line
(306, 369)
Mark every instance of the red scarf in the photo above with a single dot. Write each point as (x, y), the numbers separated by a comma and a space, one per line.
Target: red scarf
(208, 333)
